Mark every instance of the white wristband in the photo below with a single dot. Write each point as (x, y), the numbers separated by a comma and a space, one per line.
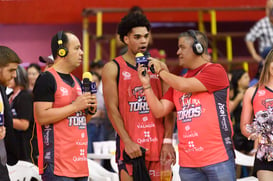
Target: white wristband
(167, 141)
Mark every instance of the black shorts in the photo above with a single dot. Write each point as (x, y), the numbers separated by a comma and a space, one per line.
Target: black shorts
(4, 174)
(262, 165)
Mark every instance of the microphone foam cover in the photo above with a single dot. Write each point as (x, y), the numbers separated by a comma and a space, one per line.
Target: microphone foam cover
(87, 75)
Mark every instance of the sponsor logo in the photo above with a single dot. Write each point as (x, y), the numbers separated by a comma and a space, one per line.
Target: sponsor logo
(261, 92)
(80, 143)
(228, 141)
(79, 91)
(154, 173)
(149, 125)
(223, 116)
(48, 155)
(145, 124)
(126, 75)
(81, 156)
(146, 140)
(47, 130)
(193, 148)
(64, 91)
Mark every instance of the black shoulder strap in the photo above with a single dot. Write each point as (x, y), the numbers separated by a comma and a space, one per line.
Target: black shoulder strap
(254, 95)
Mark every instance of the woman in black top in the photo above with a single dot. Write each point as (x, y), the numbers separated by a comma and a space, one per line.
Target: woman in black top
(23, 122)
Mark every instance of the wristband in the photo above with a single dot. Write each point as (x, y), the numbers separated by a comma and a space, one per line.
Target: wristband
(167, 141)
(87, 111)
(160, 71)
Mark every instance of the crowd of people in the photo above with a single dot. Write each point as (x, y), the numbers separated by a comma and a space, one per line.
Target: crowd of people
(50, 120)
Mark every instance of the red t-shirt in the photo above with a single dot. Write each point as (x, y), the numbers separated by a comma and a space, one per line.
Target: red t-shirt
(204, 125)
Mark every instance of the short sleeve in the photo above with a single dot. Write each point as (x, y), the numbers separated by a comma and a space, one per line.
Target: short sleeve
(168, 95)
(213, 77)
(45, 88)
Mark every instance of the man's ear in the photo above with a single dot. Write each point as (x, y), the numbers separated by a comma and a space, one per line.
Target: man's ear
(126, 39)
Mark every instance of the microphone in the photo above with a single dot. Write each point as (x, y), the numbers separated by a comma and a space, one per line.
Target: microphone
(141, 59)
(1, 119)
(88, 86)
(147, 54)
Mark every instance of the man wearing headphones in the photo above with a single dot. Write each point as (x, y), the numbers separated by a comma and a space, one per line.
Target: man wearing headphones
(201, 101)
(59, 110)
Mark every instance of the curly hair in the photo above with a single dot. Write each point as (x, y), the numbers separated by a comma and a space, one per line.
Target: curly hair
(131, 21)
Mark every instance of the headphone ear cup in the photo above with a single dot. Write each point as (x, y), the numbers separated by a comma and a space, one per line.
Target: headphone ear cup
(62, 51)
(197, 48)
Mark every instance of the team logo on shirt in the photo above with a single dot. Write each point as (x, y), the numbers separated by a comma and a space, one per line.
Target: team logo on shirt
(268, 103)
(77, 120)
(261, 92)
(126, 75)
(140, 105)
(191, 108)
(64, 91)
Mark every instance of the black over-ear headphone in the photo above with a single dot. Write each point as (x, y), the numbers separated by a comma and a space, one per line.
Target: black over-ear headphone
(62, 51)
(197, 47)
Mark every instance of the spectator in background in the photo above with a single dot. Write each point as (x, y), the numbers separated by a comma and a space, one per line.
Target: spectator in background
(8, 146)
(239, 81)
(260, 67)
(110, 133)
(47, 60)
(159, 54)
(262, 31)
(22, 112)
(96, 66)
(95, 127)
(33, 71)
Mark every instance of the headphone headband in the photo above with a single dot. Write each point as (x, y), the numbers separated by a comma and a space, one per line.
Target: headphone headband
(197, 47)
(62, 51)
(192, 34)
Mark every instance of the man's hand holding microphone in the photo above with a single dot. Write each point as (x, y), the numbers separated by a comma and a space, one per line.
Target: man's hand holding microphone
(88, 86)
(145, 63)
(87, 101)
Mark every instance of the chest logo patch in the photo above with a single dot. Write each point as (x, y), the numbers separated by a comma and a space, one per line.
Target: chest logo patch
(126, 75)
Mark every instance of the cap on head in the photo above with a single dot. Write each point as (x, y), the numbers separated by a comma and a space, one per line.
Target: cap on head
(47, 60)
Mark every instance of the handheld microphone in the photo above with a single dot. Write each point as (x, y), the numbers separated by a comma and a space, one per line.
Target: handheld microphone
(1, 119)
(141, 59)
(88, 86)
(147, 54)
